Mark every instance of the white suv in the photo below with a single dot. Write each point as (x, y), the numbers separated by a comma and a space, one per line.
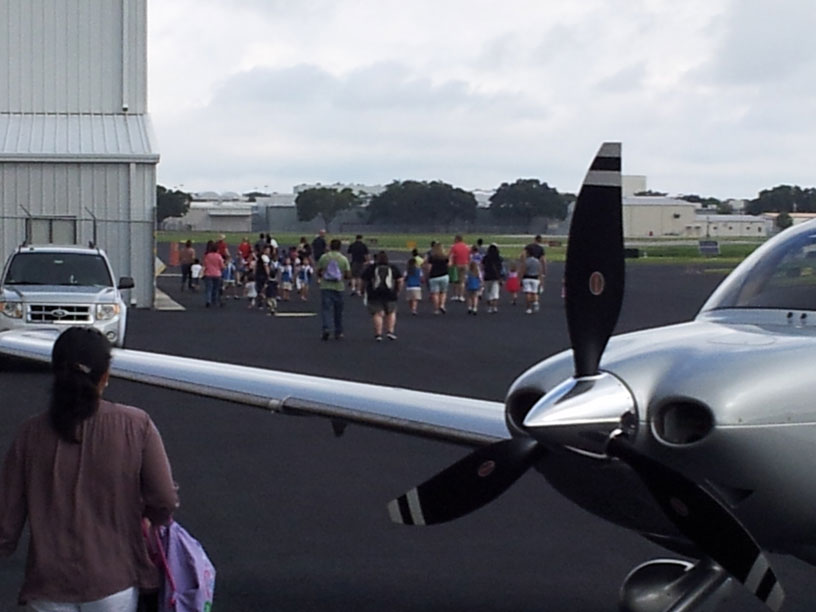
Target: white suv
(60, 286)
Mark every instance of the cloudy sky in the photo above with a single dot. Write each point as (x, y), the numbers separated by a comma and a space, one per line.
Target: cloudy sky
(714, 97)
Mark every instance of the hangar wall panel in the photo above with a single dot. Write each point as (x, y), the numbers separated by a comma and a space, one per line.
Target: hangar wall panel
(73, 56)
(120, 196)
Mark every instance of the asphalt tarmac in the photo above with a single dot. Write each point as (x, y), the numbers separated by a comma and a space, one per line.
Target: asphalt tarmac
(295, 519)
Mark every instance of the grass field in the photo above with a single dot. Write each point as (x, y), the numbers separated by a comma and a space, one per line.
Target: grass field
(668, 250)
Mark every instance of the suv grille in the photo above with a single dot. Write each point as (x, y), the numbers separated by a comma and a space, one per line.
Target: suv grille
(49, 313)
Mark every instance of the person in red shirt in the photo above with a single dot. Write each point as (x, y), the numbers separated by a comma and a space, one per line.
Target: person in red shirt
(245, 249)
(221, 246)
(459, 257)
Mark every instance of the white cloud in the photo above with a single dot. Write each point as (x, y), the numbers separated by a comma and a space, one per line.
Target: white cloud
(707, 96)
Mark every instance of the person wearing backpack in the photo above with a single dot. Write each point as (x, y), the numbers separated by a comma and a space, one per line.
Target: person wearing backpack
(382, 282)
(333, 269)
(84, 474)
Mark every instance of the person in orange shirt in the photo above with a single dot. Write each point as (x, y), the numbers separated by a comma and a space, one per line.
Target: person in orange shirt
(459, 257)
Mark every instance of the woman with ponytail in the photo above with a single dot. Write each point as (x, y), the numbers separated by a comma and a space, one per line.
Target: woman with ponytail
(87, 474)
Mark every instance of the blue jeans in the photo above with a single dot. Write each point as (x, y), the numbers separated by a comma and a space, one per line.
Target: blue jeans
(212, 284)
(331, 303)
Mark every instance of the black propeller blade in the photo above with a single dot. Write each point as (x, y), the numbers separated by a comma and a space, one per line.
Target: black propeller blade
(594, 286)
(467, 485)
(705, 521)
(594, 273)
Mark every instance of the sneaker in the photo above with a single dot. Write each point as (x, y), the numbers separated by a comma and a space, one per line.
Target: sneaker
(437, 311)
(442, 310)
(325, 335)
(378, 338)
(391, 336)
(535, 306)
(339, 336)
(529, 311)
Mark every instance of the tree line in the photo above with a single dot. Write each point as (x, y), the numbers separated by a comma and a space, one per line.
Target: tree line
(436, 203)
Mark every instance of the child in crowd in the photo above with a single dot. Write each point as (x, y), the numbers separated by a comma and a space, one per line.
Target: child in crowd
(228, 280)
(271, 291)
(513, 283)
(304, 277)
(413, 283)
(250, 291)
(286, 273)
(196, 272)
(473, 286)
(476, 255)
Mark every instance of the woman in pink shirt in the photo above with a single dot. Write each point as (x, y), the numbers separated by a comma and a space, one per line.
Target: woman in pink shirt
(85, 474)
(213, 265)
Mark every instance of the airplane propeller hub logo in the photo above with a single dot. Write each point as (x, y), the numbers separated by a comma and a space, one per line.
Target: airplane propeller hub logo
(486, 469)
(597, 283)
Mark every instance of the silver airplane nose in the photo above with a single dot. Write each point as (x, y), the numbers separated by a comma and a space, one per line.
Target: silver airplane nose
(581, 413)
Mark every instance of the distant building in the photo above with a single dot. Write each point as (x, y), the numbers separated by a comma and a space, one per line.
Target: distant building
(796, 217)
(656, 216)
(733, 226)
(661, 216)
(632, 184)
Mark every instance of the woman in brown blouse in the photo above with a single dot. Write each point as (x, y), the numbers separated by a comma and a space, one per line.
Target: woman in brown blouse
(85, 474)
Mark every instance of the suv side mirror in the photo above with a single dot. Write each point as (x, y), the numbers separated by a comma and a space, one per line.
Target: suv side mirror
(126, 282)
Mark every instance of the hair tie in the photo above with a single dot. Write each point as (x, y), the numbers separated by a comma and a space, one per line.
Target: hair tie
(82, 368)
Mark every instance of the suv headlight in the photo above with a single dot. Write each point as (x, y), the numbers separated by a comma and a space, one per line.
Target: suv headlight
(12, 309)
(106, 311)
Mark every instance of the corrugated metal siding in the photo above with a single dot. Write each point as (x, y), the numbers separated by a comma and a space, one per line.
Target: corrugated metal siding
(101, 137)
(75, 56)
(121, 196)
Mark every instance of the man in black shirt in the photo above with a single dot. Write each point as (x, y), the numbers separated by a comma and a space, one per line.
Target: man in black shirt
(319, 245)
(358, 253)
(536, 249)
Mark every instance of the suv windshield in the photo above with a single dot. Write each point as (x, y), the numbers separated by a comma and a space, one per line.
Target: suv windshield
(58, 269)
(782, 274)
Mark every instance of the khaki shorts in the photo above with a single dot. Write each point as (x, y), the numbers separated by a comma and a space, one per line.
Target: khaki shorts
(492, 290)
(386, 306)
(413, 293)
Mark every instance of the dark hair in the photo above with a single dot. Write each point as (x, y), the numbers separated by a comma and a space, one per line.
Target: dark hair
(335, 244)
(382, 258)
(80, 358)
(411, 265)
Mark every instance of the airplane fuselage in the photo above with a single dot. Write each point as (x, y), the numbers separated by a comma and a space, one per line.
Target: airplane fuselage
(757, 451)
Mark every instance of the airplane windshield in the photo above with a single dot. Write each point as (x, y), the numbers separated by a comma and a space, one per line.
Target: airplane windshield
(779, 275)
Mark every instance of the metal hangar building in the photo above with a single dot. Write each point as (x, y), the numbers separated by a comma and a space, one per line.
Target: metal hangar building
(77, 154)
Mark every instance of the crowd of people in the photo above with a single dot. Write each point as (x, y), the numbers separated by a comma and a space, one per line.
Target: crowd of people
(264, 274)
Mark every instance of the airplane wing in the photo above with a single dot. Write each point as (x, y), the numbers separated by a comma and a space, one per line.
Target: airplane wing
(467, 421)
